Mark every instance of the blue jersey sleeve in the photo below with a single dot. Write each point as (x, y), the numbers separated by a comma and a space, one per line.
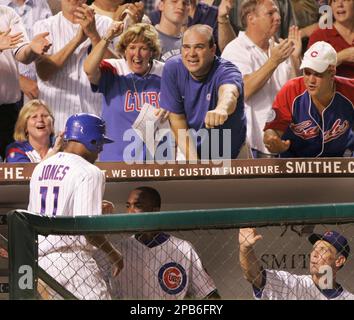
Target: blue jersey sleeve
(171, 98)
(14, 153)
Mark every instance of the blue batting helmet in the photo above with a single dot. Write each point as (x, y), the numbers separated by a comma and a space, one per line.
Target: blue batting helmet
(87, 129)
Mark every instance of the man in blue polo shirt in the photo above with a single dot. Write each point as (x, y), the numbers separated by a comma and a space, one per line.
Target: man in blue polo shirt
(204, 93)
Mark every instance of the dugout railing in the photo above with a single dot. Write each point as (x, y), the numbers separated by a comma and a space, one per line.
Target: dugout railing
(24, 228)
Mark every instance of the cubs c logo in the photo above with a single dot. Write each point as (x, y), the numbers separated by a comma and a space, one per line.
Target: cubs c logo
(172, 278)
(314, 54)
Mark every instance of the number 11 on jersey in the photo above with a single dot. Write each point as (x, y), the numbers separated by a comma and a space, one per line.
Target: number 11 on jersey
(44, 191)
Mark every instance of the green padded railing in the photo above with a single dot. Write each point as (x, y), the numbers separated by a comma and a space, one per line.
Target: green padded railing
(24, 228)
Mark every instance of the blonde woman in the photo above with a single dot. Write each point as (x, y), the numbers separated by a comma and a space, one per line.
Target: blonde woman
(126, 85)
(33, 134)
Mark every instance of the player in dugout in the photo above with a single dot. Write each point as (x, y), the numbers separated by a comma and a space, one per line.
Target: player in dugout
(329, 254)
(313, 115)
(157, 265)
(68, 184)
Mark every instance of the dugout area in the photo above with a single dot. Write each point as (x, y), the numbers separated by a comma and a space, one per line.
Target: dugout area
(285, 246)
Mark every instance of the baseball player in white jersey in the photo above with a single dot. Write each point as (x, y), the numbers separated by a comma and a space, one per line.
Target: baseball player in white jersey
(156, 264)
(330, 252)
(68, 184)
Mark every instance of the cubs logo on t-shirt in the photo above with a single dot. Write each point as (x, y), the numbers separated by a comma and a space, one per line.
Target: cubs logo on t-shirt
(172, 278)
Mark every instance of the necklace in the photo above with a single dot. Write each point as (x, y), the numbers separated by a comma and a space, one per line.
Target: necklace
(135, 95)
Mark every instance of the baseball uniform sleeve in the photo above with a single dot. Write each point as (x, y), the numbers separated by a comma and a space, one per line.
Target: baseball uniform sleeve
(89, 193)
(201, 284)
(171, 98)
(280, 285)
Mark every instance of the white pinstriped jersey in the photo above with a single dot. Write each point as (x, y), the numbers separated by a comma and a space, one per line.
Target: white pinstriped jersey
(69, 91)
(170, 270)
(65, 185)
(9, 86)
(282, 285)
(30, 12)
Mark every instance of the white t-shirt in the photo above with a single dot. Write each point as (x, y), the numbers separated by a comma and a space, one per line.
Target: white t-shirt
(248, 57)
(282, 285)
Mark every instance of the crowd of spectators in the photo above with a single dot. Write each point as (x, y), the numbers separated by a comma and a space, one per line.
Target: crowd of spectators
(276, 77)
(108, 57)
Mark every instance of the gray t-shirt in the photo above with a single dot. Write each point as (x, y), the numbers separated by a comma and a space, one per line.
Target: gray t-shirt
(170, 46)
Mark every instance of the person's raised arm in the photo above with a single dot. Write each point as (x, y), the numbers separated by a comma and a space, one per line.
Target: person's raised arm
(345, 55)
(180, 128)
(38, 46)
(10, 41)
(48, 65)
(58, 145)
(225, 31)
(92, 62)
(249, 262)
(295, 58)
(256, 80)
(227, 101)
(134, 10)
(85, 17)
(307, 31)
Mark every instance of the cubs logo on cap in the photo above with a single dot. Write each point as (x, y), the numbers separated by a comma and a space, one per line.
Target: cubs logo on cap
(335, 239)
(172, 278)
(319, 57)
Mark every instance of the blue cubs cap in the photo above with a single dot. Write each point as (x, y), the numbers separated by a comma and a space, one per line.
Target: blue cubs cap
(335, 239)
(88, 129)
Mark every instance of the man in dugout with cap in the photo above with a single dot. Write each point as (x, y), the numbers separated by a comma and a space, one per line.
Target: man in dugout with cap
(329, 253)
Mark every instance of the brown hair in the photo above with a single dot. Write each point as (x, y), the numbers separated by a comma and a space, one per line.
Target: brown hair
(247, 7)
(140, 32)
